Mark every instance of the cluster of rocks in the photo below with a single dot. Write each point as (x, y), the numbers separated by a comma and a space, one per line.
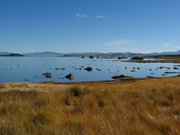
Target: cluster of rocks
(60, 68)
(47, 75)
(90, 56)
(70, 76)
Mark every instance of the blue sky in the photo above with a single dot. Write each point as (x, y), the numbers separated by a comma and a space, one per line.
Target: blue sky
(89, 25)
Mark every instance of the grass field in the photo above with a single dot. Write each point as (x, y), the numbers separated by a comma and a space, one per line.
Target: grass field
(167, 58)
(142, 107)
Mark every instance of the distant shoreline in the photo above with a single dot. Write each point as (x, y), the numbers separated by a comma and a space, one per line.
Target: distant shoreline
(159, 58)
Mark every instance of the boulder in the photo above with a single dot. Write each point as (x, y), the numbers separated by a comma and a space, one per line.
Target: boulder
(175, 68)
(69, 76)
(91, 57)
(118, 76)
(89, 69)
(47, 75)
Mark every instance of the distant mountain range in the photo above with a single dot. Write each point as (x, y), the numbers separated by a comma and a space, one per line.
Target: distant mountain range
(43, 54)
(11, 54)
(55, 54)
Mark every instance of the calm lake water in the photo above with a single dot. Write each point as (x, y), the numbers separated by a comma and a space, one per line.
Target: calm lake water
(21, 69)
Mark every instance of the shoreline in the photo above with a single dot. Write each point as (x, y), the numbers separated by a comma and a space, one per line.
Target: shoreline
(94, 82)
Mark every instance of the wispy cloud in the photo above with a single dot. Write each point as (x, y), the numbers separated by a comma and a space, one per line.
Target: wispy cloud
(101, 16)
(92, 17)
(121, 42)
(81, 15)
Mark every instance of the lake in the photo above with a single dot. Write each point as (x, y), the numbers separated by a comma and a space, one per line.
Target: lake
(30, 69)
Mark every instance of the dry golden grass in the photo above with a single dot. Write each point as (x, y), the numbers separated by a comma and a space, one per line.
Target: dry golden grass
(168, 58)
(142, 107)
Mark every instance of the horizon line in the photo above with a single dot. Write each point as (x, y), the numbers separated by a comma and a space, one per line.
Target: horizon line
(89, 52)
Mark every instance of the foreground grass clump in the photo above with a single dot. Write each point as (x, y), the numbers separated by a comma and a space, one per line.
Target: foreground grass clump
(144, 107)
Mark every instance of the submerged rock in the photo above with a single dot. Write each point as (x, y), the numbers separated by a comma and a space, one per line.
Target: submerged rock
(26, 80)
(57, 68)
(122, 77)
(171, 72)
(69, 76)
(98, 69)
(175, 68)
(150, 77)
(161, 67)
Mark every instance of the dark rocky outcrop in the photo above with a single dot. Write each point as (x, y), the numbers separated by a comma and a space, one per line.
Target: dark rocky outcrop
(13, 55)
(171, 72)
(123, 77)
(118, 76)
(150, 77)
(175, 68)
(137, 58)
(47, 75)
(91, 56)
(69, 76)
(89, 69)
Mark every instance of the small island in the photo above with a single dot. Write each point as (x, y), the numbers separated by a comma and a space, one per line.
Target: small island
(12, 55)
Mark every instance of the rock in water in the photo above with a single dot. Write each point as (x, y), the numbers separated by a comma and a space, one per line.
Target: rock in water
(118, 77)
(69, 76)
(89, 69)
(123, 77)
(47, 75)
